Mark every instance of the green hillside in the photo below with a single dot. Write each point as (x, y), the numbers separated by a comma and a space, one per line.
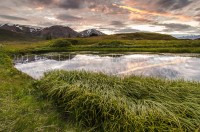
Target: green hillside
(138, 36)
(6, 35)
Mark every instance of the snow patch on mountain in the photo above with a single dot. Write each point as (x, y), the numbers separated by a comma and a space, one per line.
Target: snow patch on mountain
(90, 32)
(21, 28)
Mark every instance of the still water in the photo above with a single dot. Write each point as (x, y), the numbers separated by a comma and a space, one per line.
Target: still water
(164, 66)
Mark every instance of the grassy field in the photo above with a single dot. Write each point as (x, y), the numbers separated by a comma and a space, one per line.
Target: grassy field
(79, 101)
(92, 44)
(23, 107)
(108, 103)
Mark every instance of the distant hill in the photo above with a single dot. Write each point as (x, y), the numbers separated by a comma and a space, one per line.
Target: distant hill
(6, 35)
(138, 36)
(193, 37)
(90, 33)
(59, 32)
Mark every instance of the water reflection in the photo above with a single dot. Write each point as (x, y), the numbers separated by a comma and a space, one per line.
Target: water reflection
(31, 58)
(165, 66)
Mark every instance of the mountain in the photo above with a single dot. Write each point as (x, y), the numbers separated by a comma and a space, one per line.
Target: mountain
(6, 35)
(90, 33)
(193, 37)
(50, 32)
(59, 32)
(33, 31)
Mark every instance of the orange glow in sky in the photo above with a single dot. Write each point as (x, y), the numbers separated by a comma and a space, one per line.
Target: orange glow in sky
(135, 10)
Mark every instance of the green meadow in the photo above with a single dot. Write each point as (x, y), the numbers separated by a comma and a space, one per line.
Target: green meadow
(110, 45)
(84, 101)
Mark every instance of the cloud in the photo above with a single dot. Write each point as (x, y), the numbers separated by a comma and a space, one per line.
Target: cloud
(42, 2)
(110, 15)
(159, 5)
(118, 23)
(71, 4)
(171, 27)
(3, 8)
(33, 3)
(197, 9)
(146, 12)
(127, 30)
(13, 18)
(172, 4)
(66, 17)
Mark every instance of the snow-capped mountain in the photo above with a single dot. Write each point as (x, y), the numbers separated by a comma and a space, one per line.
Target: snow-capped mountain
(193, 37)
(56, 31)
(34, 31)
(90, 32)
(53, 31)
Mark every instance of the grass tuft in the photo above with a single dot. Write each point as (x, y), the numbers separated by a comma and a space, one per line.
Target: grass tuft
(109, 103)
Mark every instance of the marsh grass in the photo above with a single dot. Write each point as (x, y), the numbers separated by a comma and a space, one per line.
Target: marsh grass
(22, 107)
(109, 103)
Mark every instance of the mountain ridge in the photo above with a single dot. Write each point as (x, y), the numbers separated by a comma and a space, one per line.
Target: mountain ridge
(58, 31)
(193, 37)
(55, 31)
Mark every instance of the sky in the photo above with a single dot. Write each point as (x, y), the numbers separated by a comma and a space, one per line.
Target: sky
(176, 17)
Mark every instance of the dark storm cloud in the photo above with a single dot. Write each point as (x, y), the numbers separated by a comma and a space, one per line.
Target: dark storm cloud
(66, 17)
(13, 18)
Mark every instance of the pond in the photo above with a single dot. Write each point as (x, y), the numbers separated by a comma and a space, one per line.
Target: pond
(156, 65)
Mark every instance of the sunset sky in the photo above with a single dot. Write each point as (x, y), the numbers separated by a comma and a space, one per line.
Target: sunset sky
(109, 16)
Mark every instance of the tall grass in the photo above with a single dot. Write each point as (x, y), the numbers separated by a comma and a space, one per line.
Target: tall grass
(22, 108)
(109, 103)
